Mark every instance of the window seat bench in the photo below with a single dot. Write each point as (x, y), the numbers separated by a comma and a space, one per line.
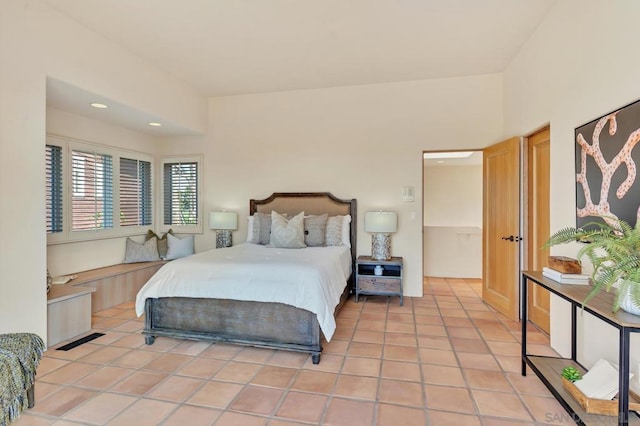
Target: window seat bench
(70, 305)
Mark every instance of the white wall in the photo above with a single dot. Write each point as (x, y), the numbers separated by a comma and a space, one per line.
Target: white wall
(453, 196)
(452, 251)
(22, 127)
(580, 64)
(453, 221)
(362, 142)
(36, 42)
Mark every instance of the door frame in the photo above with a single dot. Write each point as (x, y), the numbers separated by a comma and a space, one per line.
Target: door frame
(526, 208)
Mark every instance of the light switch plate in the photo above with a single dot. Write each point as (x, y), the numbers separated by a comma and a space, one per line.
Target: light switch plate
(408, 194)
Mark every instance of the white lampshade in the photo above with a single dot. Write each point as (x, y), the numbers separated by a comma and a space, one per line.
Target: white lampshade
(223, 220)
(381, 222)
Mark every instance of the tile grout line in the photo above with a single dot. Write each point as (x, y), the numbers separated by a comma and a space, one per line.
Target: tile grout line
(502, 370)
(421, 371)
(455, 353)
(394, 319)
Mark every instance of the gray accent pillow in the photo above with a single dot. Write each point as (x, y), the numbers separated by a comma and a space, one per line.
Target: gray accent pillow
(334, 231)
(261, 233)
(141, 252)
(315, 228)
(287, 233)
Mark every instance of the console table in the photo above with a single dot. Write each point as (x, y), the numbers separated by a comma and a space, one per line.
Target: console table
(549, 369)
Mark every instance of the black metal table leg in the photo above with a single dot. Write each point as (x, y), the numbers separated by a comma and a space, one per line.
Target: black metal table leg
(623, 377)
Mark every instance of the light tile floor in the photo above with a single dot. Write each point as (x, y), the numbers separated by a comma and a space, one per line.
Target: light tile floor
(443, 359)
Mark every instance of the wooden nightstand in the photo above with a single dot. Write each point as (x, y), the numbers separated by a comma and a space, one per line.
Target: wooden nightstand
(389, 283)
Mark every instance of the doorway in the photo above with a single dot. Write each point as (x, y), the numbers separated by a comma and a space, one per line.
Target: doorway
(452, 214)
(509, 210)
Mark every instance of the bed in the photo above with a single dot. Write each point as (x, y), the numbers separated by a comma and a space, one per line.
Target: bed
(271, 324)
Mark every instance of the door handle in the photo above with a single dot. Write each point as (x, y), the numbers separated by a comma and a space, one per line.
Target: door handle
(512, 238)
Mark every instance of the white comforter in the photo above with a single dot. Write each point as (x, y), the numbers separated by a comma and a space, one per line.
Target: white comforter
(312, 278)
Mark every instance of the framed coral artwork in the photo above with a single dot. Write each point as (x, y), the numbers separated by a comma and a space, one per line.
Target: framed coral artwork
(607, 181)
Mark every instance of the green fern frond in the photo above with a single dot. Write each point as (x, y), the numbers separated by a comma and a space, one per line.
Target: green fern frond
(613, 248)
(562, 236)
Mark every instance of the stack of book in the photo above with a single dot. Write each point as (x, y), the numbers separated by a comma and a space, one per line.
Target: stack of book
(601, 382)
(565, 278)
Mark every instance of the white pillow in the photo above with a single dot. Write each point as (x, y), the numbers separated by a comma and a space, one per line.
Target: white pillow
(287, 233)
(179, 247)
(346, 230)
(250, 229)
(338, 231)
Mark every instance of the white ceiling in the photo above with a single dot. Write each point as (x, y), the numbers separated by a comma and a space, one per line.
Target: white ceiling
(66, 97)
(229, 47)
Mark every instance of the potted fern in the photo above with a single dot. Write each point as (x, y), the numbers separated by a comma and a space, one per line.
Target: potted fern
(613, 248)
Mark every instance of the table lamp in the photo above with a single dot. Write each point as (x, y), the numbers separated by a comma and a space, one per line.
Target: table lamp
(223, 223)
(381, 225)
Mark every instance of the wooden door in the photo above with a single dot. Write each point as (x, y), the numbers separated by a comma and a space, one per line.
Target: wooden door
(501, 227)
(538, 230)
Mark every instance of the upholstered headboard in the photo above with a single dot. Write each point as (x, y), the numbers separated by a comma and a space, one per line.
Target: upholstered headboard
(313, 203)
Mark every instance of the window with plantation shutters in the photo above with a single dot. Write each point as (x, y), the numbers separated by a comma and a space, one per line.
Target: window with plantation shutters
(135, 192)
(96, 191)
(180, 193)
(92, 191)
(53, 188)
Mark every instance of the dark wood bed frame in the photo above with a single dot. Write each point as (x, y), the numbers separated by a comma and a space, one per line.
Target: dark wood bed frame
(261, 324)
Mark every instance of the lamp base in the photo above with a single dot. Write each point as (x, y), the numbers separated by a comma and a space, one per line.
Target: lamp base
(381, 246)
(223, 238)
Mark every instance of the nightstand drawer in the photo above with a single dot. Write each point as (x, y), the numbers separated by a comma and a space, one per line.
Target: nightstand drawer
(388, 284)
(379, 284)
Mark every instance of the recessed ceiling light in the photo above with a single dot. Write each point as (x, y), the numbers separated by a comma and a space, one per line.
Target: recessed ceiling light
(457, 154)
(155, 124)
(99, 105)
(440, 161)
